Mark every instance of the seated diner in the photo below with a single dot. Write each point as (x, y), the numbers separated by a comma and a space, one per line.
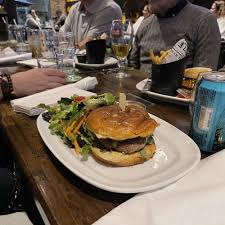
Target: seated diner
(174, 20)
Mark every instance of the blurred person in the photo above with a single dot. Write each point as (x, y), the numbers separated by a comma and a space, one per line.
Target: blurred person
(214, 9)
(218, 8)
(88, 19)
(24, 83)
(33, 21)
(60, 19)
(133, 8)
(146, 12)
(172, 21)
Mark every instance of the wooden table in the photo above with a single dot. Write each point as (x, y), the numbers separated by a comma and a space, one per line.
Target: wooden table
(66, 199)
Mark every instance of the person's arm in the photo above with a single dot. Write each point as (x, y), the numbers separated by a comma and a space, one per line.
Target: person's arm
(38, 21)
(81, 45)
(61, 20)
(207, 45)
(32, 23)
(101, 24)
(67, 27)
(103, 21)
(36, 80)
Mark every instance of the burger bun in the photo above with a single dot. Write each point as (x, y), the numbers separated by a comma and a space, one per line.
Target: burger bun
(111, 122)
(115, 158)
(195, 71)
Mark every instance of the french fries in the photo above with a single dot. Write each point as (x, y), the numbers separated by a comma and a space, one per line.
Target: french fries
(157, 59)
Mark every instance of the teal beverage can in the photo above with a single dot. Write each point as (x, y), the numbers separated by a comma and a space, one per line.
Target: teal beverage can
(208, 120)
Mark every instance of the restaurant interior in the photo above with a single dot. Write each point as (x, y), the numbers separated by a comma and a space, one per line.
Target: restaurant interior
(112, 112)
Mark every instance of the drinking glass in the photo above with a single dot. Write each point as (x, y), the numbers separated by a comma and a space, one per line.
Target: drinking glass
(47, 62)
(18, 34)
(65, 54)
(34, 37)
(64, 44)
(48, 36)
(121, 38)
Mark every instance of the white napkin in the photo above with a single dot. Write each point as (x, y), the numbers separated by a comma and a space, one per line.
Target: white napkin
(7, 52)
(196, 199)
(28, 105)
(15, 219)
(8, 55)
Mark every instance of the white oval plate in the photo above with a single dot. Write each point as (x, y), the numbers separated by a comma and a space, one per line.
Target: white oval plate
(176, 155)
(166, 98)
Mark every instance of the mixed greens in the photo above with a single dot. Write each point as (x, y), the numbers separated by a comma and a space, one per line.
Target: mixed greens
(67, 119)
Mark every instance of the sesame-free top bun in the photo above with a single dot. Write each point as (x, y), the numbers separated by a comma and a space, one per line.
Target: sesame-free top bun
(120, 159)
(194, 72)
(111, 122)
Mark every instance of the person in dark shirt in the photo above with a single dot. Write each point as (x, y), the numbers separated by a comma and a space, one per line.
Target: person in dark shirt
(60, 19)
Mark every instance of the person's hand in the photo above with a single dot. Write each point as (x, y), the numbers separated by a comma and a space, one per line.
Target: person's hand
(81, 45)
(37, 80)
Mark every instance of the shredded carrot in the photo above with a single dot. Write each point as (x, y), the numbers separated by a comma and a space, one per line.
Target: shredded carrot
(70, 127)
(77, 147)
(72, 134)
(79, 125)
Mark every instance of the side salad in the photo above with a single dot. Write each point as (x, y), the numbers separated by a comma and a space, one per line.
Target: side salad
(67, 119)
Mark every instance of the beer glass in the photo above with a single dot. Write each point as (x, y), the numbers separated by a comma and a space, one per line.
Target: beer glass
(121, 39)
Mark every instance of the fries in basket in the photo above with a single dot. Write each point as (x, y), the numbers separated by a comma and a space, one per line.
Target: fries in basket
(157, 59)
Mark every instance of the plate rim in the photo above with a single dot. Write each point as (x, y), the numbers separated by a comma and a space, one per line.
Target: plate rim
(151, 187)
(86, 65)
(166, 98)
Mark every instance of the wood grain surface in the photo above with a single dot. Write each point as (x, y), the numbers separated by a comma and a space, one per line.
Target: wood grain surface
(66, 199)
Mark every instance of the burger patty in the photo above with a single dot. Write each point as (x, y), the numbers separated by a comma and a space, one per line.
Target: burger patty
(188, 83)
(127, 146)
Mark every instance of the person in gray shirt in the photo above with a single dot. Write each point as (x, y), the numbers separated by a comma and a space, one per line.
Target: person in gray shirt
(174, 20)
(88, 19)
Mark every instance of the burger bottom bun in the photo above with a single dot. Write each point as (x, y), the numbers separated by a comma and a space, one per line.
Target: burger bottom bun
(120, 159)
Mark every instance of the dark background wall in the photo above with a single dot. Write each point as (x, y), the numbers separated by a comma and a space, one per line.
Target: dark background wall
(10, 8)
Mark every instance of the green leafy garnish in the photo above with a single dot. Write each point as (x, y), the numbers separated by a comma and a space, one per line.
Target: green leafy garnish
(85, 150)
(65, 101)
(64, 119)
(99, 100)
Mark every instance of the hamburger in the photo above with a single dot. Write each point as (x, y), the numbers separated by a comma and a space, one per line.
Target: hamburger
(189, 80)
(122, 138)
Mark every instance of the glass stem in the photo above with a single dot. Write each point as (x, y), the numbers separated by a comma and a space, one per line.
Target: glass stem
(122, 66)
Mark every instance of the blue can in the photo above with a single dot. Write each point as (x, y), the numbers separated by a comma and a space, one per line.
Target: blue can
(208, 121)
